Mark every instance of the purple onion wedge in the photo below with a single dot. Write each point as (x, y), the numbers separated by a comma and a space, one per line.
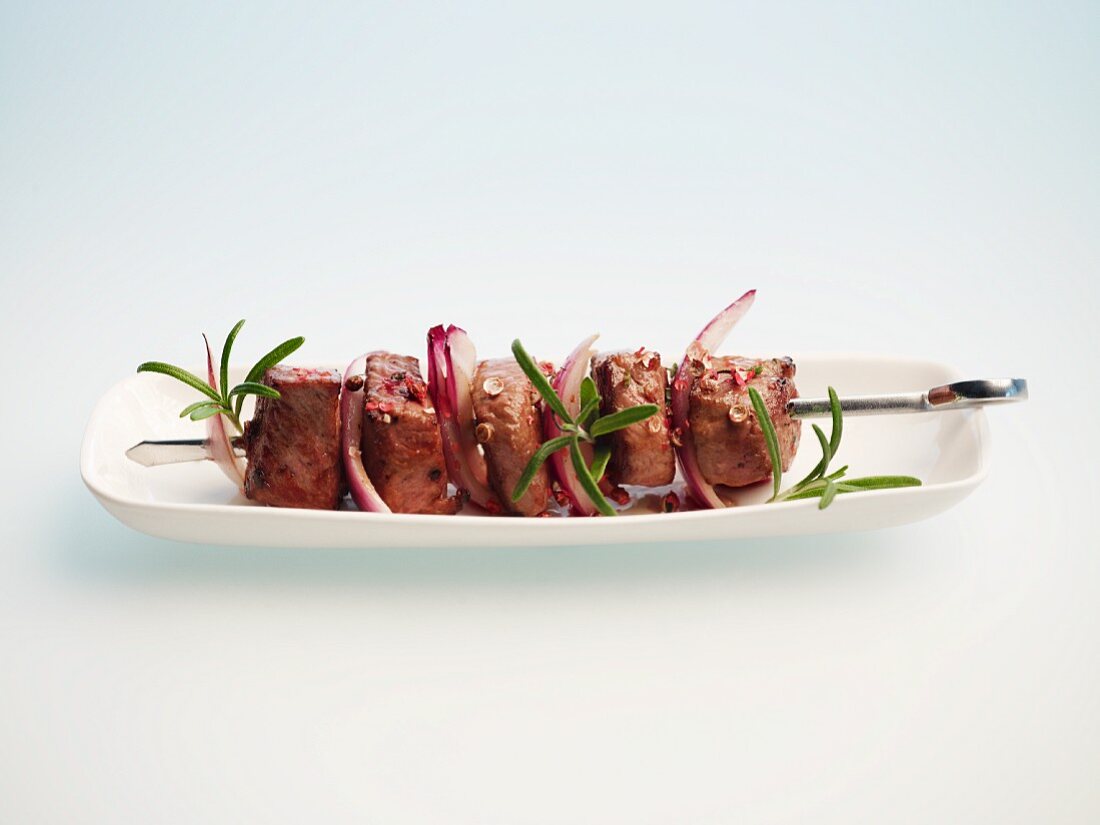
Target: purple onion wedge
(452, 360)
(217, 439)
(362, 490)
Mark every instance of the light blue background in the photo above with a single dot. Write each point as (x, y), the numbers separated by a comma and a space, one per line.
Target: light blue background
(915, 178)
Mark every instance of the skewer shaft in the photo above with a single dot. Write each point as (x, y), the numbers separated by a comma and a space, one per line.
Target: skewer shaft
(957, 396)
(175, 451)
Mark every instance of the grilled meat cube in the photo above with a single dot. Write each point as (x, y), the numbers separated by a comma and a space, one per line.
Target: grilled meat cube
(641, 453)
(293, 442)
(401, 444)
(728, 440)
(509, 428)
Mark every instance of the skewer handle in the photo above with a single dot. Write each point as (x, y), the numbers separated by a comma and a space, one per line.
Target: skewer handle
(960, 395)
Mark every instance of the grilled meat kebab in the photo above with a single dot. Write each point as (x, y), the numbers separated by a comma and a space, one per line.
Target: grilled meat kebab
(292, 443)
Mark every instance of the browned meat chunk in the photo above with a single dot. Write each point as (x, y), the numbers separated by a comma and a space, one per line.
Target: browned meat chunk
(641, 453)
(293, 442)
(510, 431)
(728, 439)
(402, 448)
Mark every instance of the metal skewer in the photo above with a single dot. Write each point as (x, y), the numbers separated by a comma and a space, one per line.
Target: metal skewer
(176, 451)
(960, 395)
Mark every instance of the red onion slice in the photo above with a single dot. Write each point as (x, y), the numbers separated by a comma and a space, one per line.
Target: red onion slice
(217, 439)
(567, 383)
(452, 360)
(706, 342)
(351, 430)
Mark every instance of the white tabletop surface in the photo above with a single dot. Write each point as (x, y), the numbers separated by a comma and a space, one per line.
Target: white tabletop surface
(917, 182)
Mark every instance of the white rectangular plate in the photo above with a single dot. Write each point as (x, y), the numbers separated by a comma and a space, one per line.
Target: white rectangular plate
(194, 502)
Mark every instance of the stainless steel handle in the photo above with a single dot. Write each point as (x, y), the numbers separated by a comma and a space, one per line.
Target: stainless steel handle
(960, 395)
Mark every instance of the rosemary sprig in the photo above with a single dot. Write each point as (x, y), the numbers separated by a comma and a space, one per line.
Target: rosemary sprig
(819, 483)
(587, 427)
(221, 400)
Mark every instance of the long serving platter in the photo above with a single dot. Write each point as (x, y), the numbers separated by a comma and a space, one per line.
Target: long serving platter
(193, 502)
